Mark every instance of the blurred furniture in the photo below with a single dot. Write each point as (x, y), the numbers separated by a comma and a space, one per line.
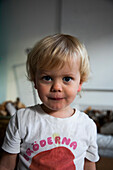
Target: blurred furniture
(4, 120)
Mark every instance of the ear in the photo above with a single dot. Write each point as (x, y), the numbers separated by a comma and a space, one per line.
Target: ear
(79, 87)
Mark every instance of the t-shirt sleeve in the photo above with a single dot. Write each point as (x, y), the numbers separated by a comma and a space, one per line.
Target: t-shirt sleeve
(92, 151)
(12, 138)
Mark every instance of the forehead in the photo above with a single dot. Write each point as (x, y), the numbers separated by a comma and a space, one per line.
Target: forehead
(68, 68)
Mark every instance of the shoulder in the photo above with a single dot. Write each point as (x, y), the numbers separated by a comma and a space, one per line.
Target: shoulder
(24, 119)
(85, 119)
(28, 112)
(24, 116)
(86, 125)
(83, 115)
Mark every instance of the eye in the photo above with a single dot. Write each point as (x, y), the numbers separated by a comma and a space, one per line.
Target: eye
(47, 78)
(67, 79)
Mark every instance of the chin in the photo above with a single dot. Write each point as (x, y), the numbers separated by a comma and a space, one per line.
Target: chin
(53, 108)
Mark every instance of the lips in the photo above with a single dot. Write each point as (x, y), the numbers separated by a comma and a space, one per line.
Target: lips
(55, 98)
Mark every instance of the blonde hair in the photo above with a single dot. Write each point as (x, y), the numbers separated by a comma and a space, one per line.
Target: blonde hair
(56, 50)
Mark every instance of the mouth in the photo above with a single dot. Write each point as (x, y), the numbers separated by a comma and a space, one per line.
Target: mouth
(55, 98)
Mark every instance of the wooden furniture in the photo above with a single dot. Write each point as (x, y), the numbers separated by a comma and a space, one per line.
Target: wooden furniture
(4, 120)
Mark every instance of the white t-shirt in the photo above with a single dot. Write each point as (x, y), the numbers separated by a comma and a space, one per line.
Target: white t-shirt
(46, 142)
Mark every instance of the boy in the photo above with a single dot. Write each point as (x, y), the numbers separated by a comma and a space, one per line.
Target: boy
(53, 135)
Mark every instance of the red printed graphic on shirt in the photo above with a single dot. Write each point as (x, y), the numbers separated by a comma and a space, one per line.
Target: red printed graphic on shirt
(59, 158)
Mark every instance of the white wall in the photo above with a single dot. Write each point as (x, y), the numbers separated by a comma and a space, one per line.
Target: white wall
(92, 22)
(24, 22)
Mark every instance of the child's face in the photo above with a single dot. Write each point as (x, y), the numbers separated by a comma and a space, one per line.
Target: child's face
(58, 88)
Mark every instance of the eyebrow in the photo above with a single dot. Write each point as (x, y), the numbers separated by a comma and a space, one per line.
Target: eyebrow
(47, 72)
(63, 74)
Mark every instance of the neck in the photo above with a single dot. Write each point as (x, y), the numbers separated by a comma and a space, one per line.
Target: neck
(63, 113)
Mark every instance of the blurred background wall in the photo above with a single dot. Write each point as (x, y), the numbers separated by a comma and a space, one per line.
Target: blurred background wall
(24, 22)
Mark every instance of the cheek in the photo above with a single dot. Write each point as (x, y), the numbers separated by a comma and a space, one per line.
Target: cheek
(73, 89)
(42, 90)
(41, 93)
(72, 93)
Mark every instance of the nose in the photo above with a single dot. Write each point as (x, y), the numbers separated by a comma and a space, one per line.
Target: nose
(56, 86)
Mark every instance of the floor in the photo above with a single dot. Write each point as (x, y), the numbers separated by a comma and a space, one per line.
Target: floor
(105, 164)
